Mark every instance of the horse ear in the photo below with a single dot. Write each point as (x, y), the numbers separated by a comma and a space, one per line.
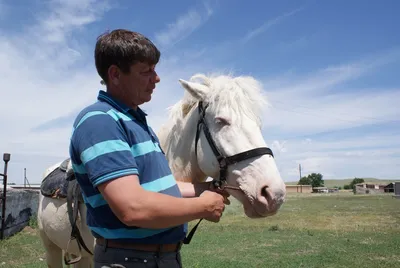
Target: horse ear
(197, 90)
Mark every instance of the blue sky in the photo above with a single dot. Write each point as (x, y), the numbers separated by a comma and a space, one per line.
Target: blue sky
(328, 68)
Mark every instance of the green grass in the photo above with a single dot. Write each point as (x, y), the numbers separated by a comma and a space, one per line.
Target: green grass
(342, 182)
(336, 230)
(311, 230)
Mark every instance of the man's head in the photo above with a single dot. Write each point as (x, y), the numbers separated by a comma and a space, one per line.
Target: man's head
(126, 61)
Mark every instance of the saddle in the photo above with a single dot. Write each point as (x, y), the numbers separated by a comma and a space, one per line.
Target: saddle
(60, 184)
(55, 184)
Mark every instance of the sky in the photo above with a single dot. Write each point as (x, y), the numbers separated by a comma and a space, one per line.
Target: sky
(328, 69)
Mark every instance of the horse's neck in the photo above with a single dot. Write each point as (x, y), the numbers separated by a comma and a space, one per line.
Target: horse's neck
(177, 140)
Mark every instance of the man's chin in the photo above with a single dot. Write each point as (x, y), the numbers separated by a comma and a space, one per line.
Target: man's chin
(148, 98)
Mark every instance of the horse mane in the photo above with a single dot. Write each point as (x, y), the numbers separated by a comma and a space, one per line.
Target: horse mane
(243, 94)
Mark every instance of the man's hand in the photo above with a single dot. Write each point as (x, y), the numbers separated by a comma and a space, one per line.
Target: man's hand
(214, 204)
(204, 186)
(224, 193)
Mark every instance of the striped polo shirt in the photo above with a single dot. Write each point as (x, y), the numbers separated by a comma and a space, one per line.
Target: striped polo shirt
(110, 140)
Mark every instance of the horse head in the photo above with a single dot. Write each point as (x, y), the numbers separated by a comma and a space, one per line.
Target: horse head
(215, 131)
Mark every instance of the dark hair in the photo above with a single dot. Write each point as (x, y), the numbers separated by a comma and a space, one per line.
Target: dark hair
(123, 48)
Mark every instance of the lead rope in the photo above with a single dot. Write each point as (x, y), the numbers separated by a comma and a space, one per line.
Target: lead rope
(188, 238)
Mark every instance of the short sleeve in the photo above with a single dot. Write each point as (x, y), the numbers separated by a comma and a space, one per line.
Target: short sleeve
(100, 148)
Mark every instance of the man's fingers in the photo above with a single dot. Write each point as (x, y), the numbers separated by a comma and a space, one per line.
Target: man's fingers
(222, 192)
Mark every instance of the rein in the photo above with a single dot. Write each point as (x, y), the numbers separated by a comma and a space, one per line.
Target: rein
(224, 161)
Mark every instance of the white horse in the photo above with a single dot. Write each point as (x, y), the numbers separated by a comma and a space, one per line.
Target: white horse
(231, 112)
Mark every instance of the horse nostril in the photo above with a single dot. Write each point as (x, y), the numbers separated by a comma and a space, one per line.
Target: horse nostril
(265, 193)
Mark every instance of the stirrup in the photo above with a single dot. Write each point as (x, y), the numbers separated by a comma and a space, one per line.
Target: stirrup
(71, 261)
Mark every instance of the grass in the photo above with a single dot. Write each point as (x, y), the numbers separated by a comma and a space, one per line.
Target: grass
(311, 230)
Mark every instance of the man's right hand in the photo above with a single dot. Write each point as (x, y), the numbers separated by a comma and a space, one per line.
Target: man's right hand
(214, 204)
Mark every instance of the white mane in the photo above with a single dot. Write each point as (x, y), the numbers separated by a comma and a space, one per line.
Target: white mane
(243, 94)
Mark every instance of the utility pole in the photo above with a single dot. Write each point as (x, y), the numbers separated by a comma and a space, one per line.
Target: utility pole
(300, 170)
(26, 179)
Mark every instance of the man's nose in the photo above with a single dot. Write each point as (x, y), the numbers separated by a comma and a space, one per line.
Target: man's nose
(156, 78)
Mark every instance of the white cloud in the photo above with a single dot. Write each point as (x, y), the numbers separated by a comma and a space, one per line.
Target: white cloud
(39, 79)
(278, 147)
(318, 105)
(371, 156)
(67, 16)
(268, 24)
(184, 26)
(47, 78)
(321, 101)
(356, 140)
(46, 65)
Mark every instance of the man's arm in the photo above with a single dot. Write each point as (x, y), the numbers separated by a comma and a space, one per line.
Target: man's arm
(135, 206)
(107, 159)
(189, 189)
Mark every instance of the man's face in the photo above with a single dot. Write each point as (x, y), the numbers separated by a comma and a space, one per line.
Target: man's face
(139, 83)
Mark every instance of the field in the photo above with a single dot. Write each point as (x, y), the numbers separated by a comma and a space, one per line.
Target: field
(343, 182)
(311, 230)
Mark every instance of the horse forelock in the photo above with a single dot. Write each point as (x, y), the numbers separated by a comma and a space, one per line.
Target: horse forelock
(241, 95)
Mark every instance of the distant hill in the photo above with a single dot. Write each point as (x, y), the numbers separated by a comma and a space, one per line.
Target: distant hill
(342, 182)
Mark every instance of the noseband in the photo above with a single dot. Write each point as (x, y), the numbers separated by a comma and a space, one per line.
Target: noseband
(224, 161)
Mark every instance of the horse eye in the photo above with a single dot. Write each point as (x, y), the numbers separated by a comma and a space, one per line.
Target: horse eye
(222, 121)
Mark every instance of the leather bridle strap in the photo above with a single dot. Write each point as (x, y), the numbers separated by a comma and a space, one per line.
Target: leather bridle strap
(223, 161)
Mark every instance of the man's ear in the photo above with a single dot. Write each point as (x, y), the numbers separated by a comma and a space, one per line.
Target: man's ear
(114, 75)
(197, 90)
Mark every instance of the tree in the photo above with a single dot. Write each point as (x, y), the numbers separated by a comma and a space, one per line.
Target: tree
(346, 187)
(313, 179)
(305, 181)
(355, 181)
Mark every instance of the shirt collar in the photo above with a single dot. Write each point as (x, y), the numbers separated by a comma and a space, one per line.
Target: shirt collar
(106, 97)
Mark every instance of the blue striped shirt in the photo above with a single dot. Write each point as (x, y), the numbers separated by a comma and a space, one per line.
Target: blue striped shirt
(110, 140)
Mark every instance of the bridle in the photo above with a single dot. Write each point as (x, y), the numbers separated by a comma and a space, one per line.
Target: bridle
(224, 161)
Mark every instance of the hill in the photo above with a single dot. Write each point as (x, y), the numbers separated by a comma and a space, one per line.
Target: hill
(342, 182)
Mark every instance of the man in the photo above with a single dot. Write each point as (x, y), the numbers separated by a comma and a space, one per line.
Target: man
(135, 206)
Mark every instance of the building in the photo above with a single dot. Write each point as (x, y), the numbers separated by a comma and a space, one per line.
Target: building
(320, 190)
(397, 189)
(369, 188)
(324, 189)
(298, 188)
(389, 188)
